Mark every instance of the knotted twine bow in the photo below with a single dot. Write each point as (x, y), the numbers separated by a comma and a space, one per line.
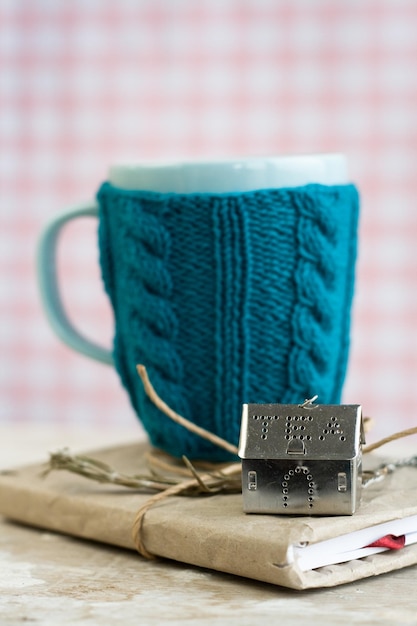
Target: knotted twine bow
(194, 479)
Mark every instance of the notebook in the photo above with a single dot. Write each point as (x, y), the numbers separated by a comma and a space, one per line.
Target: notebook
(213, 531)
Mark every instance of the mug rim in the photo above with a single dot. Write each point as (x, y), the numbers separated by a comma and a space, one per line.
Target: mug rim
(229, 174)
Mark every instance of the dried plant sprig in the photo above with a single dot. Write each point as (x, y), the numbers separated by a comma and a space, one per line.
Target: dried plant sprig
(102, 473)
(213, 482)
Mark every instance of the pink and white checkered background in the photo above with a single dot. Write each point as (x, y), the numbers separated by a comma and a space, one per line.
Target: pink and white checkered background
(88, 82)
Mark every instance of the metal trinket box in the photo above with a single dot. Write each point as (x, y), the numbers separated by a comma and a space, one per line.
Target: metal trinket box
(301, 459)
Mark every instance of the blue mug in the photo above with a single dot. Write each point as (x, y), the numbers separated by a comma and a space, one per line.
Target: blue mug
(231, 281)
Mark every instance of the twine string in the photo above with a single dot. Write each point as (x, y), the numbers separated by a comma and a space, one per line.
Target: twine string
(382, 442)
(179, 419)
(162, 464)
(209, 484)
(174, 477)
(203, 481)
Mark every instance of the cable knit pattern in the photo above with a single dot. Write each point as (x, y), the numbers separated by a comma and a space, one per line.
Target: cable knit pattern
(228, 298)
(323, 281)
(314, 274)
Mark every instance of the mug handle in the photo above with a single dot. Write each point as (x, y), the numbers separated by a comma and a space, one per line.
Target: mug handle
(48, 285)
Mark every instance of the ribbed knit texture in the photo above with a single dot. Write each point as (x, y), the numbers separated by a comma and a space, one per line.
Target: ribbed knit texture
(228, 298)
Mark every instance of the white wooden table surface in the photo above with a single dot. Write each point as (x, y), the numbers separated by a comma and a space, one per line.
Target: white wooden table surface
(47, 579)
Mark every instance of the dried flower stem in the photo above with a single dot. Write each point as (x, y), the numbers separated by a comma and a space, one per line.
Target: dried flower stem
(101, 472)
(213, 481)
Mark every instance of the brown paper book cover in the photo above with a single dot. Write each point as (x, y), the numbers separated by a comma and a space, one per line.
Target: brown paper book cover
(213, 531)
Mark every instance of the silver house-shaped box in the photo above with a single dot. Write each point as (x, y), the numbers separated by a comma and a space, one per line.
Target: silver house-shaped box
(301, 459)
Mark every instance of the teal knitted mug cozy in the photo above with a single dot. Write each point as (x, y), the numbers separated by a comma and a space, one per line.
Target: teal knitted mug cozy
(227, 299)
